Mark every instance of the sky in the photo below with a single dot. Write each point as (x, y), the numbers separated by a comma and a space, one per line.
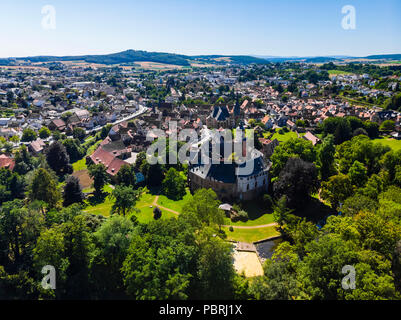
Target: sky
(194, 27)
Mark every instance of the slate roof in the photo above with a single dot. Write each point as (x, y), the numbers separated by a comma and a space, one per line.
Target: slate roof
(220, 113)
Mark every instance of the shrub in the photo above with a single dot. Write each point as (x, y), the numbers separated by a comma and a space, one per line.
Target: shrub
(157, 213)
(231, 229)
(267, 200)
(243, 215)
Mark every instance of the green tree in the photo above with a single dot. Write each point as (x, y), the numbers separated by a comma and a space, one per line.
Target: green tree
(337, 189)
(358, 174)
(204, 205)
(112, 240)
(281, 213)
(44, 132)
(289, 149)
(215, 270)
(74, 149)
(44, 188)
(161, 261)
(125, 199)
(387, 126)
(173, 185)
(297, 180)
(28, 135)
(58, 159)
(126, 176)
(79, 133)
(24, 162)
(99, 175)
(72, 191)
(19, 229)
(325, 157)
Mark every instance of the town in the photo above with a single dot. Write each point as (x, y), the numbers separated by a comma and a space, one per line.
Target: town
(314, 147)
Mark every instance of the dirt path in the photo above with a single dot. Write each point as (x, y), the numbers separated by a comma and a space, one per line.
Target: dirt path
(161, 207)
(253, 227)
(235, 227)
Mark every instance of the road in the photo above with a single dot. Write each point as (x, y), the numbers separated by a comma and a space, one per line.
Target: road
(142, 109)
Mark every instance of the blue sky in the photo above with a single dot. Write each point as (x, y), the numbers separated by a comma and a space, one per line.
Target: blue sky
(255, 27)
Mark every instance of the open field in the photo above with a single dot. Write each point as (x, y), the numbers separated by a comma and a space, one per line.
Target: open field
(84, 178)
(282, 137)
(157, 66)
(25, 67)
(250, 235)
(392, 143)
(145, 205)
(338, 72)
(174, 205)
(257, 215)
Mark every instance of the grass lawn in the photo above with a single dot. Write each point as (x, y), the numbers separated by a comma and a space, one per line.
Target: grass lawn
(100, 206)
(103, 206)
(257, 215)
(250, 235)
(392, 143)
(284, 137)
(174, 205)
(336, 72)
(79, 165)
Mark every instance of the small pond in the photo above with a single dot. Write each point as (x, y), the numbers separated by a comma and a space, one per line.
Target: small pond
(266, 248)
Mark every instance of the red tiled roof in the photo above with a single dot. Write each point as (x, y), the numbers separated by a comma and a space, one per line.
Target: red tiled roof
(6, 162)
(102, 156)
(115, 166)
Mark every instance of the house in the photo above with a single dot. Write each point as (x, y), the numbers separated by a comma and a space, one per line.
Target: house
(57, 124)
(109, 159)
(8, 132)
(36, 147)
(7, 162)
(268, 146)
(312, 138)
(268, 122)
(291, 125)
(282, 121)
(4, 121)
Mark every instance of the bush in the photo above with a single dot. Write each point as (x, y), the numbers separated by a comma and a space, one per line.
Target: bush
(267, 200)
(280, 131)
(157, 213)
(243, 215)
(231, 229)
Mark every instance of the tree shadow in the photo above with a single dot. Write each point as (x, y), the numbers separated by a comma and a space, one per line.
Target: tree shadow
(255, 209)
(315, 211)
(96, 198)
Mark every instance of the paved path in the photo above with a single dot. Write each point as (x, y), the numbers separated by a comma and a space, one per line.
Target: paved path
(235, 227)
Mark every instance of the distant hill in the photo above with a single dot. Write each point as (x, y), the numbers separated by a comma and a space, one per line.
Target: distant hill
(385, 56)
(120, 57)
(221, 59)
(132, 56)
(321, 59)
